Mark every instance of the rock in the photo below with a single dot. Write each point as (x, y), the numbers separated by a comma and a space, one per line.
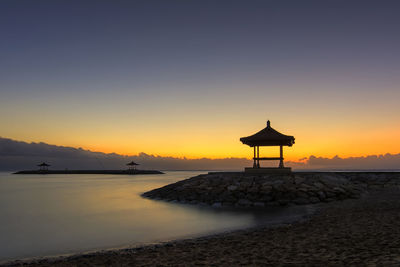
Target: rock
(314, 200)
(306, 187)
(259, 204)
(247, 179)
(301, 201)
(239, 194)
(266, 198)
(244, 202)
(375, 186)
(283, 202)
(276, 183)
(312, 193)
(252, 197)
(228, 197)
(244, 185)
(232, 187)
(339, 190)
(331, 180)
(266, 188)
(330, 194)
(220, 189)
(253, 189)
(321, 195)
(298, 179)
(301, 194)
(319, 185)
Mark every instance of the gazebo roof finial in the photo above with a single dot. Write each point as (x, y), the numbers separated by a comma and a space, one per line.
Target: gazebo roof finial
(268, 137)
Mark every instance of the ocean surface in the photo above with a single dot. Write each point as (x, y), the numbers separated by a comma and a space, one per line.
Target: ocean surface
(49, 215)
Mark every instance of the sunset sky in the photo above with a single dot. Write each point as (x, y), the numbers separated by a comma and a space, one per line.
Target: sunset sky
(189, 78)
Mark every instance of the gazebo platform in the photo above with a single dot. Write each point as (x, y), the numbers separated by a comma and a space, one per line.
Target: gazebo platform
(267, 170)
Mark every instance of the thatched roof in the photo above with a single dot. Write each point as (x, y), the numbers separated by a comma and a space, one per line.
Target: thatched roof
(132, 163)
(268, 137)
(43, 165)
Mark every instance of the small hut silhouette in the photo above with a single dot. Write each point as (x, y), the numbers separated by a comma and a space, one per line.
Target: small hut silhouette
(267, 137)
(43, 166)
(132, 166)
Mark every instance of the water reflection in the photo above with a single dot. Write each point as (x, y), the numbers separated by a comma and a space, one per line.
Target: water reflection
(58, 214)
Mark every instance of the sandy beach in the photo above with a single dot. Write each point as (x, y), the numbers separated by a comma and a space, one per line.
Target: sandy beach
(364, 232)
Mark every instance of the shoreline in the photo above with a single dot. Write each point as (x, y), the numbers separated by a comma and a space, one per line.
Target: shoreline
(64, 258)
(355, 231)
(313, 209)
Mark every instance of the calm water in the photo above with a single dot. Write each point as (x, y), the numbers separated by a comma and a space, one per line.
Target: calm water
(45, 215)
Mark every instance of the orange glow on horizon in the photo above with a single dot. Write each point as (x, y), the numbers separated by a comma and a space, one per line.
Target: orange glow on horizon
(343, 144)
(216, 138)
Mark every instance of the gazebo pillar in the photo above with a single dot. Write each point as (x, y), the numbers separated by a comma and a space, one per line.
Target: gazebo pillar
(254, 158)
(258, 156)
(281, 157)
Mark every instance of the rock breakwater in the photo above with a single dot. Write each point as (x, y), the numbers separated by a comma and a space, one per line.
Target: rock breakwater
(239, 189)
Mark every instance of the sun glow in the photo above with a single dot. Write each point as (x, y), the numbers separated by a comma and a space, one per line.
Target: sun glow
(192, 142)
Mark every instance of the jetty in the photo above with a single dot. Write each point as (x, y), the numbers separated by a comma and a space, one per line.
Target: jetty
(126, 172)
(132, 170)
(273, 189)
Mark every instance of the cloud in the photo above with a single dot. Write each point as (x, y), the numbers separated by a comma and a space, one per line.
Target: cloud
(387, 161)
(371, 162)
(16, 155)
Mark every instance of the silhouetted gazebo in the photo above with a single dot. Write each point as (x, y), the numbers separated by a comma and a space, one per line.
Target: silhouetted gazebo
(43, 166)
(132, 165)
(267, 137)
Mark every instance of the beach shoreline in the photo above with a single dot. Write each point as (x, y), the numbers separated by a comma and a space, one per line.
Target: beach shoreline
(312, 209)
(355, 231)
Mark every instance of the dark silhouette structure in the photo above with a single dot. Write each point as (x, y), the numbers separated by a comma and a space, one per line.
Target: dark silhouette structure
(43, 166)
(267, 137)
(132, 170)
(122, 172)
(132, 166)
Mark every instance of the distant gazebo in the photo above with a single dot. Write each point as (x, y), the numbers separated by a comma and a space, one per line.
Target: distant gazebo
(132, 166)
(267, 137)
(43, 166)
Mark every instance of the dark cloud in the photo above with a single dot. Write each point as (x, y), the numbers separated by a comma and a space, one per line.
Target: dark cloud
(387, 161)
(372, 162)
(16, 155)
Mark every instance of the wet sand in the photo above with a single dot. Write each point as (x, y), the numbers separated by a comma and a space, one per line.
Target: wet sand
(361, 232)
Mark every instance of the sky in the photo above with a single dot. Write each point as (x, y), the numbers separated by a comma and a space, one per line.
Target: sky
(189, 78)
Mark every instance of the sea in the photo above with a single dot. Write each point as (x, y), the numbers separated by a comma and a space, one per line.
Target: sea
(52, 215)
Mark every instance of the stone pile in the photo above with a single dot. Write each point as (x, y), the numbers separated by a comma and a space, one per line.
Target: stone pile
(238, 189)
